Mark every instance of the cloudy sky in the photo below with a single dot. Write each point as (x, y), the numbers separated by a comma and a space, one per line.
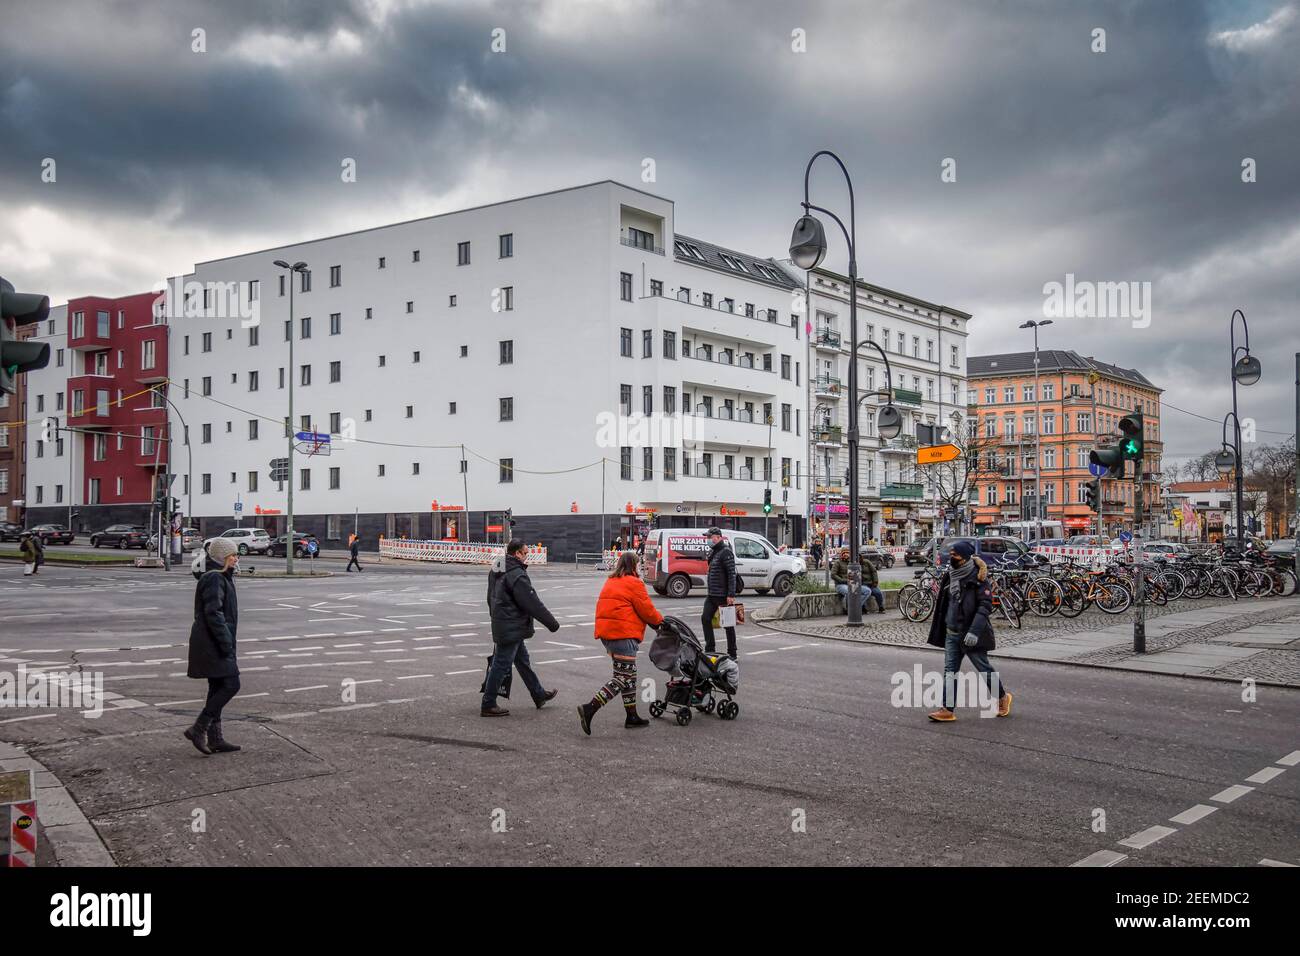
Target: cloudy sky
(1123, 165)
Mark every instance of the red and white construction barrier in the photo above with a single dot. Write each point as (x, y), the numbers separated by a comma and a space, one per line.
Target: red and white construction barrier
(1093, 557)
(22, 833)
(451, 552)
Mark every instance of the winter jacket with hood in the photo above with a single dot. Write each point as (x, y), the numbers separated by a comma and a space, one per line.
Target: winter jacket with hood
(514, 604)
(216, 621)
(974, 613)
(624, 609)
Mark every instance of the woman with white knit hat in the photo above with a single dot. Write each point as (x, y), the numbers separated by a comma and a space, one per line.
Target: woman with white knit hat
(212, 644)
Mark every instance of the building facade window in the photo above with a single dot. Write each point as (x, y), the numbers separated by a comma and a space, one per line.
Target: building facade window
(625, 286)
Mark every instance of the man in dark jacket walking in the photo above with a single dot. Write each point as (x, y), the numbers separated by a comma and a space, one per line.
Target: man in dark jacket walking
(722, 588)
(212, 644)
(960, 625)
(354, 547)
(514, 605)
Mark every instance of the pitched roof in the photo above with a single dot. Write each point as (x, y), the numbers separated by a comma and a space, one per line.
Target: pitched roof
(1049, 360)
(685, 249)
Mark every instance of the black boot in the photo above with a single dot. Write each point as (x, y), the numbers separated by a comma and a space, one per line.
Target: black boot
(216, 743)
(197, 735)
(585, 713)
(635, 720)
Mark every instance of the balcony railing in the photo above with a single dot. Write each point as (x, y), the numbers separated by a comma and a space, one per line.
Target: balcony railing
(828, 338)
(826, 385)
(902, 490)
(830, 436)
(905, 396)
(634, 244)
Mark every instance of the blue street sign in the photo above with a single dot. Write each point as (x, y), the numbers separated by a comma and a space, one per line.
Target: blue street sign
(318, 437)
(1097, 470)
(1126, 536)
(239, 506)
(311, 548)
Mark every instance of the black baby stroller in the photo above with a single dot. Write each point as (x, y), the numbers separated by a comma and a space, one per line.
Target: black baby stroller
(694, 675)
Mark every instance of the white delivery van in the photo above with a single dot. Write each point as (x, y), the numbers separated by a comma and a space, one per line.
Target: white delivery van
(677, 559)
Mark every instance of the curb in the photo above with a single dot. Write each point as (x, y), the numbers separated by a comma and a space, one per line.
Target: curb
(71, 836)
(1036, 660)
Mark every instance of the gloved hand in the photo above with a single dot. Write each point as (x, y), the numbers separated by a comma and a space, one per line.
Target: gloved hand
(970, 640)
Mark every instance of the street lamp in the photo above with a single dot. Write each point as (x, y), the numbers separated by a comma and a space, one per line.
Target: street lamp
(1038, 431)
(299, 267)
(807, 250)
(1247, 371)
(1228, 461)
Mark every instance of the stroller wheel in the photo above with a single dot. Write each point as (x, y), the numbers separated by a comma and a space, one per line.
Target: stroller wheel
(657, 709)
(684, 716)
(708, 708)
(728, 710)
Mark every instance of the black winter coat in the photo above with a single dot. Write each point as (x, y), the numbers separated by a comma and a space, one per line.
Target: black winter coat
(976, 609)
(216, 620)
(722, 571)
(515, 604)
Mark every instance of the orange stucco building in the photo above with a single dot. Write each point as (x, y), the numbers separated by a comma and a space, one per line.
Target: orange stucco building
(1077, 399)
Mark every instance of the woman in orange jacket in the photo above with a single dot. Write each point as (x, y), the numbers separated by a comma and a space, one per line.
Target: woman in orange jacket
(623, 611)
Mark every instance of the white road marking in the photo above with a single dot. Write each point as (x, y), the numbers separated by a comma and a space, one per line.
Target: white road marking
(454, 673)
(590, 658)
(355, 633)
(1192, 814)
(1290, 760)
(415, 677)
(371, 680)
(173, 703)
(465, 634)
(395, 641)
(576, 647)
(427, 627)
(558, 660)
(14, 720)
(388, 630)
(1232, 793)
(358, 644)
(401, 660)
(771, 650)
(1265, 775)
(294, 690)
(143, 677)
(327, 710)
(1267, 862)
(1102, 858)
(322, 634)
(1144, 838)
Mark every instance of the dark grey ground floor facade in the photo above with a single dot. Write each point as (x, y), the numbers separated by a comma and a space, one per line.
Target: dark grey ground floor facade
(564, 535)
(87, 519)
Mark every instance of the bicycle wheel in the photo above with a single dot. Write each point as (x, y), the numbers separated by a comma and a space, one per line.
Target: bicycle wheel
(1010, 613)
(1043, 597)
(916, 604)
(1073, 599)
(1174, 583)
(1198, 583)
(1156, 593)
(1289, 583)
(1113, 598)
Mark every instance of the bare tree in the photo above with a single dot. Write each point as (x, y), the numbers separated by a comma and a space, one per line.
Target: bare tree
(1271, 469)
(978, 460)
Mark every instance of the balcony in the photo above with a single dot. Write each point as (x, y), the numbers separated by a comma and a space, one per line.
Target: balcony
(827, 339)
(831, 437)
(905, 396)
(827, 386)
(731, 327)
(94, 335)
(95, 408)
(834, 489)
(147, 454)
(695, 487)
(728, 377)
(718, 429)
(902, 490)
(902, 445)
(643, 246)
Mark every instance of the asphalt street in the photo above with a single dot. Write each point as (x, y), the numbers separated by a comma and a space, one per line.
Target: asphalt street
(820, 767)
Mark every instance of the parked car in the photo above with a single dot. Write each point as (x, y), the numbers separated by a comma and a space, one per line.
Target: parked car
(995, 550)
(1088, 541)
(677, 559)
(300, 538)
(247, 540)
(1172, 550)
(877, 556)
(10, 531)
(190, 539)
(1283, 551)
(54, 534)
(915, 553)
(121, 536)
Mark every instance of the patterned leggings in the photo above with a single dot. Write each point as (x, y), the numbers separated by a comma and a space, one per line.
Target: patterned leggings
(623, 683)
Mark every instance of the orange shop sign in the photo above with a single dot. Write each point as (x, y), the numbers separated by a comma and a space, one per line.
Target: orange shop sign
(259, 510)
(434, 506)
(738, 512)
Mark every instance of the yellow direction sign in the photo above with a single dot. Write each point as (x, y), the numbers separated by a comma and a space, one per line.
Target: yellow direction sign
(936, 454)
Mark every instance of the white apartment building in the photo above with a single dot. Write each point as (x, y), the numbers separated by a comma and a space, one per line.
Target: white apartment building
(54, 469)
(926, 346)
(499, 359)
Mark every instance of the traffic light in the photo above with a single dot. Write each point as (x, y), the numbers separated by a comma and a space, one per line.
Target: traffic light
(1111, 458)
(767, 501)
(510, 517)
(1094, 494)
(1132, 432)
(20, 308)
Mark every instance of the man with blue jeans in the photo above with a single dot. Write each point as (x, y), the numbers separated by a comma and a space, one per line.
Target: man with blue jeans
(514, 604)
(870, 581)
(961, 626)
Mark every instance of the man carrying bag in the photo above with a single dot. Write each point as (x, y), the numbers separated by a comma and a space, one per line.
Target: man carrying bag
(514, 605)
(722, 590)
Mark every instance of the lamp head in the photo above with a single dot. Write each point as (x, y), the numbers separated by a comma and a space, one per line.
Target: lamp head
(300, 267)
(1247, 370)
(281, 263)
(889, 422)
(1225, 461)
(808, 242)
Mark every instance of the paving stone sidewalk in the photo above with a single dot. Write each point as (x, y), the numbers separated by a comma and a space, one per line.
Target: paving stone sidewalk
(1223, 639)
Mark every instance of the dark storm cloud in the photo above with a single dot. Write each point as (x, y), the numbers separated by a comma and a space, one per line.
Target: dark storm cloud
(1116, 166)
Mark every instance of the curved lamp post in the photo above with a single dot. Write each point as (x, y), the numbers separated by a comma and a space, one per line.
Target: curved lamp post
(1038, 431)
(1228, 460)
(807, 250)
(300, 267)
(1247, 371)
